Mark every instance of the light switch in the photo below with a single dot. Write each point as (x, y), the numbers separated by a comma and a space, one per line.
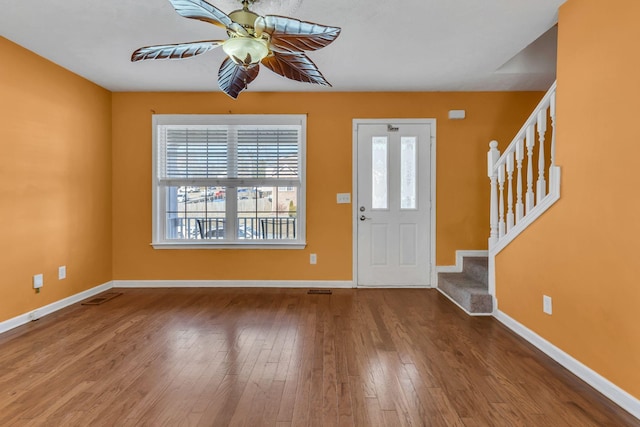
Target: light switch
(344, 197)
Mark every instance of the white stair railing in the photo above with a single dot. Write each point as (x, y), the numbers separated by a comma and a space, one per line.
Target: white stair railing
(508, 218)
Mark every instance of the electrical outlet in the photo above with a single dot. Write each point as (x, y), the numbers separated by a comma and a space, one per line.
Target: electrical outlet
(313, 259)
(62, 272)
(547, 304)
(38, 281)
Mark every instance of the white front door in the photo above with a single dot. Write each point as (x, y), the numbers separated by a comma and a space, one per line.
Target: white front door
(393, 206)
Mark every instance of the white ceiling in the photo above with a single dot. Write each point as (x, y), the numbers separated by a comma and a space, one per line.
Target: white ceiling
(385, 45)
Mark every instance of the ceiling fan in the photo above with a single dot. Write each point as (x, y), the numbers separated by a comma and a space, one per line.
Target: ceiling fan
(278, 42)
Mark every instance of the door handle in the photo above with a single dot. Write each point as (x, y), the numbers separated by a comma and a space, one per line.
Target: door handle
(363, 218)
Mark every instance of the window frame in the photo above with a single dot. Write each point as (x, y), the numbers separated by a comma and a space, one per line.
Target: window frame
(159, 203)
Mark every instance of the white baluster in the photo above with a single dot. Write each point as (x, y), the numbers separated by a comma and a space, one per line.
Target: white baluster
(530, 143)
(492, 157)
(519, 157)
(501, 222)
(542, 129)
(552, 112)
(509, 191)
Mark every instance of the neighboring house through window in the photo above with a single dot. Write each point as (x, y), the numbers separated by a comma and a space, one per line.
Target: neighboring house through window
(229, 181)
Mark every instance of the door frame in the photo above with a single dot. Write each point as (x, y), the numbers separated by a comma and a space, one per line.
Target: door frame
(432, 189)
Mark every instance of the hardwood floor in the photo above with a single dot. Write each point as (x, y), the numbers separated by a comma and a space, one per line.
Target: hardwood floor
(281, 357)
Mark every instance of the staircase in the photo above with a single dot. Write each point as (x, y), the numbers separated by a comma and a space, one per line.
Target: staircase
(469, 288)
(524, 183)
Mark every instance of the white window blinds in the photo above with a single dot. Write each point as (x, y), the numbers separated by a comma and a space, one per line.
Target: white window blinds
(194, 153)
(268, 153)
(220, 152)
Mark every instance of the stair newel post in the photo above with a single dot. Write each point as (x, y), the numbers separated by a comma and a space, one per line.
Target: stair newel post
(552, 113)
(510, 219)
(530, 140)
(492, 157)
(541, 189)
(501, 221)
(519, 157)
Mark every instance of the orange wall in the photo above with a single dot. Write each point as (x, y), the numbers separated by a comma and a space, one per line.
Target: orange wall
(583, 251)
(55, 181)
(462, 186)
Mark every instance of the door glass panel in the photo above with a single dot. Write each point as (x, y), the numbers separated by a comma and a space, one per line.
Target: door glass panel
(379, 172)
(408, 172)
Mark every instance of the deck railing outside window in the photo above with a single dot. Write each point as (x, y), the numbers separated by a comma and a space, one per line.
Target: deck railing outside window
(262, 228)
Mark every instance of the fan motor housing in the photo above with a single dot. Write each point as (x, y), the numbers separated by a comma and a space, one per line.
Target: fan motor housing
(246, 18)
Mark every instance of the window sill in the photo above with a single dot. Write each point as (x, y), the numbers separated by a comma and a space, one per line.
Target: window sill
(227, 245)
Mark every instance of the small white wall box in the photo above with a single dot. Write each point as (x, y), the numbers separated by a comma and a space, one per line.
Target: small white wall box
(457, 114)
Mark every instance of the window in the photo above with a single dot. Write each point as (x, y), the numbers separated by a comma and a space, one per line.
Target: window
(229, 181)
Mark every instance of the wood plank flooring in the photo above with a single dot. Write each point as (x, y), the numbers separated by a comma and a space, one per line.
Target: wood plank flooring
(281, 357)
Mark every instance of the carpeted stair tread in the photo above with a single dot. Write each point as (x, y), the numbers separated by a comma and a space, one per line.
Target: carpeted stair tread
(470, 287)
(463, 281)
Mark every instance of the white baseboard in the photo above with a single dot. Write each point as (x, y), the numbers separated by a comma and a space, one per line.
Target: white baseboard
(53, 307)
(459, 258)
(233, 284)
(395, 287)
(620, 397)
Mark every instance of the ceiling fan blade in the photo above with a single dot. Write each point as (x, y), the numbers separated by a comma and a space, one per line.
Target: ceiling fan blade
(200, 9)
(234, 78)
(175, 51)
(295, 66)
(293, 35)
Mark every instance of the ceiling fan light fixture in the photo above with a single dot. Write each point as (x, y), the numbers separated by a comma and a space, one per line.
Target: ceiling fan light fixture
(246, 50)
(277, 42)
